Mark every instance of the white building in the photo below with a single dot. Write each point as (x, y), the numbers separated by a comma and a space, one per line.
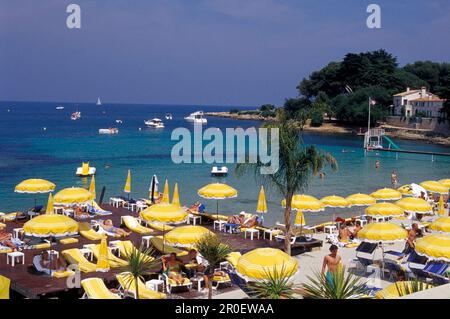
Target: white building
(418, 102)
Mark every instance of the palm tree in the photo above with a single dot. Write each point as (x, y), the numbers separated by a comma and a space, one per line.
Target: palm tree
(140, 263)
(340, 285)
(214, 250)
(276, 286)
(297, 162)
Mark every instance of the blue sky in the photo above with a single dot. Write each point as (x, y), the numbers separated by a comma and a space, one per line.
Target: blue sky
(217, 52)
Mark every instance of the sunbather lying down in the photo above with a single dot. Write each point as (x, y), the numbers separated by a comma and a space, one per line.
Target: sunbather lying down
(241, 220)
(109, 227)
(78, 213)
(7, 240)
(48, 263)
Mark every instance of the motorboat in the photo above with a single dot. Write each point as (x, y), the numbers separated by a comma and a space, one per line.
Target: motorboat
(155, 123)
(75, 116)
(169, 116)
(111, 130)
(119, 121)
(60, 107)
(85, 170)
(196, 117)
(219, 171)
(99, 103)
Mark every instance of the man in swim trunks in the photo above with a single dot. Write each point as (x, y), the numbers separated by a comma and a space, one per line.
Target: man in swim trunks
(344, 234)
(331, 263)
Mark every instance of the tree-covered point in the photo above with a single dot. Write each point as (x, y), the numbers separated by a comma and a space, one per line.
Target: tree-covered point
(342, 89)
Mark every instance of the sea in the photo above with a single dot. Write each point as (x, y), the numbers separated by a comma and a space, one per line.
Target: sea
(38, 141)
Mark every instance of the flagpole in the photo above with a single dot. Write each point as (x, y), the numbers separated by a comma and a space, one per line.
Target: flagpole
(368, 121)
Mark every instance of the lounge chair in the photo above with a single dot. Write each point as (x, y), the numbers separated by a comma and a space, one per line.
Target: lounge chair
(125, 247)
(157, 243)
(86, 231)
(128, 288)
(221, 281)
(75, 256)
(231, 260)
(171, 284)
(134, 225)
(95, 208)
(393, 268)
(114, 261)
(160, 227)
(365, 255)
(416, 264)
(94, 288)
(437, 272)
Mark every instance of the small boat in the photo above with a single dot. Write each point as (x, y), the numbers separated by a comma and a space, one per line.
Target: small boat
(85, 170)
(196, 117)
(75, 116)
(169, 116)
(111, 130)
(60, 107)
(219, 171)
(119, 121)
(155, 123)
(99, 103)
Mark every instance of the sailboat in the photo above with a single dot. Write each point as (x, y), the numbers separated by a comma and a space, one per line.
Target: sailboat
(99, 102)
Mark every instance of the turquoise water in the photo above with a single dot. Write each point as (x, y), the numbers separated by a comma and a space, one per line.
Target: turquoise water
(29, 151)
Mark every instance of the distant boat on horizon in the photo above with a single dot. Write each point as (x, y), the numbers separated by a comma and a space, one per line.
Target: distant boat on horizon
(60, 107)
(99, 103)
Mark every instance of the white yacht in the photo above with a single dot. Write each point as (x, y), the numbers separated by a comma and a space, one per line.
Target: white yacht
(219, 171)
(111, 130)
(169, 116)
(155, 123)
(99, 103)
(196, 117)
(60, 107)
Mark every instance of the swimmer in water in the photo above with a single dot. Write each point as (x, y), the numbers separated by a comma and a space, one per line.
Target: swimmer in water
(377, 164)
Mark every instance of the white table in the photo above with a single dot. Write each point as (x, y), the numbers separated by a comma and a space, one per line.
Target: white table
(362, 222)
(115, 202)
(13, 255)
(219, 224)
(140, 207)
(271, 232)
(199, 281)
(194, 219)
(155, 285)
(115, 250)
(251, 231)
(16, 232)
(58, 210)
(145, 241)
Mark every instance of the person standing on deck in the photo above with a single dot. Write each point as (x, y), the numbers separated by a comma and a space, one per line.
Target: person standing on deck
(331, 263)
(394, 177)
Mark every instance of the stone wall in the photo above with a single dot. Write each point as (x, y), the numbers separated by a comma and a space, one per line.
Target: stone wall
(440, 126)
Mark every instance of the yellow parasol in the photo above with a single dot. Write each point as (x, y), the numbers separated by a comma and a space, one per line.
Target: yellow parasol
(445, 182)
(384, 210)
(260, 263)
(92, 188)
(434, 187)
(127, 188)
(361, 199)
(51, 225)
(185, 236)
(166, 195)
(72, 195)
(176, 197)
(305, 203)
(386, 194)
(442, 224)
(217, 191)
(49, 209)
(436, 247)
(335, 201)
(415, 205)
(34, 186)
(382, 232)
(262, 204)
(103, 261)
(299, 219)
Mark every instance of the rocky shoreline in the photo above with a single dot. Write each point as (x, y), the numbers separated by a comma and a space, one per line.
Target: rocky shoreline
(334, 128)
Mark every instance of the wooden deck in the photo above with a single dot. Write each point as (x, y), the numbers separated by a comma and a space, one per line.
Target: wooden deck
(26, 283)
